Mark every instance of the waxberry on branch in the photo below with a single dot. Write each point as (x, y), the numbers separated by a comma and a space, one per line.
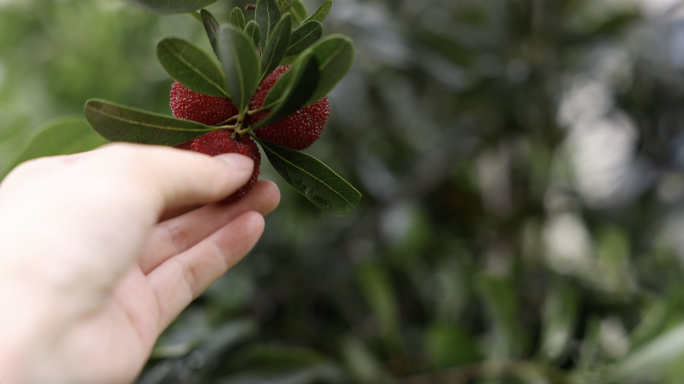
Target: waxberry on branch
(298, 131)
(220, 109)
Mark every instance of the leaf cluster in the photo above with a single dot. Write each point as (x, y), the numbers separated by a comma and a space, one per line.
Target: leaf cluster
(247, 53)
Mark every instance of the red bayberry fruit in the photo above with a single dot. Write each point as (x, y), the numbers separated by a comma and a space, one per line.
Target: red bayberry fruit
(208, 110)
(219, 142)
(185, 145)
(297, 131)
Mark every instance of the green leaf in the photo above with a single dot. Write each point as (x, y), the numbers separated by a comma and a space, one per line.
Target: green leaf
(335, 56)
(211, 27)
(64, 136)
(277, 46)
(290, 60)
(240, 65)
(301, 84)
(267, 16)
(170, 6)
(284, 5)
(322, 12)
(117, 122)
(191, 67)
(254, 32)
(299, 12)
(315, 180)
(13, 138)
(304, 36)
(276, 93)
(237, 18)
(195, 15)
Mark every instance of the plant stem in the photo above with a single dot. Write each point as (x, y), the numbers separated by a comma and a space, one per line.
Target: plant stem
(231, 127)
(228, 121)
(264, 108)
(244, 131)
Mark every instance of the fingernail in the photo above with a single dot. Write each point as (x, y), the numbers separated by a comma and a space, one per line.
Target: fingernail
(238, 162)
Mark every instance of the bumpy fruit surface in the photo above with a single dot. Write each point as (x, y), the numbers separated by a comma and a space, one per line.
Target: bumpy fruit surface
(297, 131)
(208, 110)
(219, 142)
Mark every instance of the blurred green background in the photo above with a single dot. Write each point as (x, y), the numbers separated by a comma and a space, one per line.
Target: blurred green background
(521, 164)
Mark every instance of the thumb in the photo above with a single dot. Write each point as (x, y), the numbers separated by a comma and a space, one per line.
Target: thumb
(174, 177)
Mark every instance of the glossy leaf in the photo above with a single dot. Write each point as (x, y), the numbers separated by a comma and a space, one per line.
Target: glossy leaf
(335, 55)
(301, 84)
(304, 36)
(170, 6)
(315, 180)
(289, 60)
(190, 66)
(277, 46)
(322, 12)
(211, 27)
(299, 12)
(237, 18)
(60, 137)
(284, 5)
(240, 65)
(267, 16)
(117, 122)
(253, 32)
(281, 86)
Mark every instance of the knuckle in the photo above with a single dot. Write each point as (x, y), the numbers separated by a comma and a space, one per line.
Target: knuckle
(190, 278)
(178, 236)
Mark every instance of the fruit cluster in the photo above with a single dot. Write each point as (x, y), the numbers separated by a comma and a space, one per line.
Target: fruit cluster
(255, 97)
(298, 131)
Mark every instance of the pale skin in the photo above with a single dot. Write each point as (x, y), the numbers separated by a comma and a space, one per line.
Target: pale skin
(101, 251)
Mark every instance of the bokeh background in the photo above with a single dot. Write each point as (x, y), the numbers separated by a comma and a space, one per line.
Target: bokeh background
(521, 164)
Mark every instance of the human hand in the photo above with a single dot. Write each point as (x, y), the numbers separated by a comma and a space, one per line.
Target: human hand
(90, 277)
